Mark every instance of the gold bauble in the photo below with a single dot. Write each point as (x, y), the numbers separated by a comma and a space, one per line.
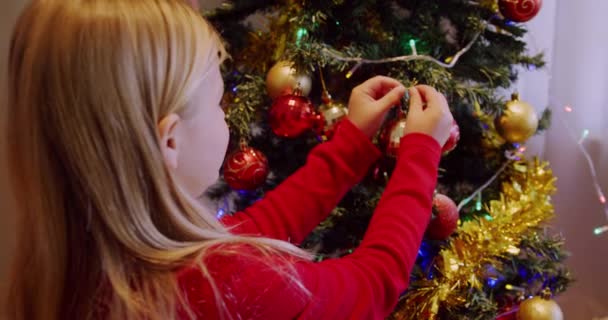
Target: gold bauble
(539, 308)
(518, 121)
(282, 79)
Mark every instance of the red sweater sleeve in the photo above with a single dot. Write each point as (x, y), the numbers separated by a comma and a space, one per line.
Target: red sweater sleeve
(370, 281)
(301, 202)
(363, 285)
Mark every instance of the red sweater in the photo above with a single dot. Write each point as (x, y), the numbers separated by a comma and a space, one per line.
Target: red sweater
(363, 285)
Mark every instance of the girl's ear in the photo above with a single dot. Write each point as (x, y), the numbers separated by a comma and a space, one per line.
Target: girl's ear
(169, 139)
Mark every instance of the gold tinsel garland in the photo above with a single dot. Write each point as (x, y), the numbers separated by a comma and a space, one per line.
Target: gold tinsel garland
(280, 30)
(524, 204)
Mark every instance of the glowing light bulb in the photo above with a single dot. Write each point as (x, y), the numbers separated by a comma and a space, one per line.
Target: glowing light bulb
(300, 34)
(352, 71)
(413, 46)
(599, 230)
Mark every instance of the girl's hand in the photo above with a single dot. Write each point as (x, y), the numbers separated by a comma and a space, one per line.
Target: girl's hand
(370, 101)
(434, 119)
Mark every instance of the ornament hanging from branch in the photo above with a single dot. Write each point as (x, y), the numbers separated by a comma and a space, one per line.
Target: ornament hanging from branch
(291, 115)
(518, 122)
(246, 169)
(540, 308)
(331, 111)
(520, 10)
(283, 79)
(445, 218)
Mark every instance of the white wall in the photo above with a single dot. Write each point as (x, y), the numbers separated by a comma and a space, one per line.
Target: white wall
(572, 35)
(579, 77)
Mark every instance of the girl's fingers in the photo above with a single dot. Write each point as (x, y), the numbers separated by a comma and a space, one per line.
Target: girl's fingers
(416, 102)
(392, 98)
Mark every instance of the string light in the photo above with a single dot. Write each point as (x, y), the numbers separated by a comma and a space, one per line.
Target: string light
(300, 34)
(598, 189)
(492, 282)
(511, 287)
(352, 71)
(478, 205)
(413, 46)
(360, 61)
(511, 156)
(520, 297)
(584, 136)
(504, 314)
(599, 230)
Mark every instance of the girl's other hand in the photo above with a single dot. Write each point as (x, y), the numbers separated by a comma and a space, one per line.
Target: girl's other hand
(429, 114)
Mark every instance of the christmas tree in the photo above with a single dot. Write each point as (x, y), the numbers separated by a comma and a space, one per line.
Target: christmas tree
(486, 251)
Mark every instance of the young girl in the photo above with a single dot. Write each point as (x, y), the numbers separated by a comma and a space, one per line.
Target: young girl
(115, 128)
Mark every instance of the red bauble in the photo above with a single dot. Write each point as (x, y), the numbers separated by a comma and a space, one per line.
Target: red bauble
(390, 138)
(246, 169)
(291, 115)
(453, 139)
(445, 220)
(520, 10)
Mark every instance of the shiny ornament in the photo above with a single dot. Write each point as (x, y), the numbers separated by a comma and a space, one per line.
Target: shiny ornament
(518, 121)
(246, 169)
(453, 139)
(445, 218)
(390, 138)
(282, 79)
(539, 308)
(332, 113)
(291, 115)
(520, 10)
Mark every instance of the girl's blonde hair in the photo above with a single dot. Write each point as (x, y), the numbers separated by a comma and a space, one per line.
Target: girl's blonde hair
(88, 82)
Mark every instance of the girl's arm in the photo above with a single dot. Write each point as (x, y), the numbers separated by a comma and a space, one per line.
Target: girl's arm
(377, 273)
(301, 202)
(364, 285)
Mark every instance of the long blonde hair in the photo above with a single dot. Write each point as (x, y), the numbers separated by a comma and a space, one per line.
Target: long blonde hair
(88, 82)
